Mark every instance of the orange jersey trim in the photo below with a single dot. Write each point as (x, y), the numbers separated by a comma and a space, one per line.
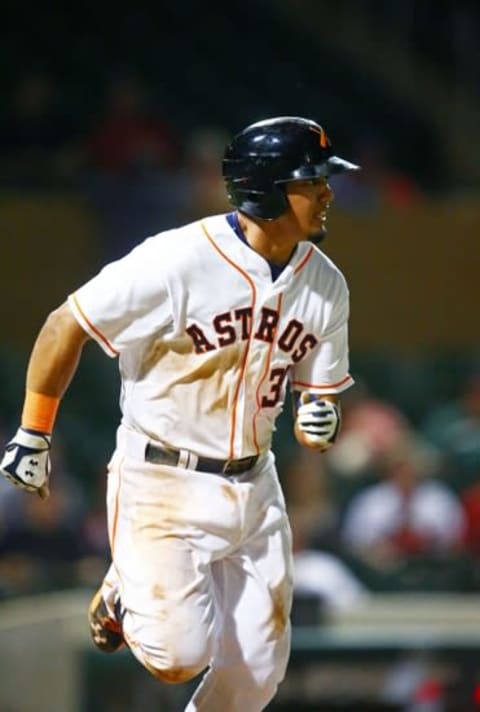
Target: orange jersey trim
(262, 381)
(113, 533)
(93, 328)
(347, 379)
(243, 365)
(302, 264)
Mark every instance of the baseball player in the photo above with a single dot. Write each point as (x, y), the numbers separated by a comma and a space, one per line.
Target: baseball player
(210, 322)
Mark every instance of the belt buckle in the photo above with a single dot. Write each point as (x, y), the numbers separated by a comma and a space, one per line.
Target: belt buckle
(233, 466)
(226, 466)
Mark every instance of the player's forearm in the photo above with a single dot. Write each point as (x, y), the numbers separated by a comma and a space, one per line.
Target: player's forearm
(56, 353)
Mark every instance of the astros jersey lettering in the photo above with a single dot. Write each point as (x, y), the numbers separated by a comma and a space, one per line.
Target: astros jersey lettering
(200, 327)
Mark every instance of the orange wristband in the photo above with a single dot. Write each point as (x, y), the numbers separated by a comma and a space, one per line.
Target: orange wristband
(39, 412)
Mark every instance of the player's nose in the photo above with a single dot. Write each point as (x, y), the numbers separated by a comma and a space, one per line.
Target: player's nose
(329, 196)
(325, 194)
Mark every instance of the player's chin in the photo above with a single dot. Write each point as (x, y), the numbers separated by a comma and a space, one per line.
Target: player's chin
(318, 235)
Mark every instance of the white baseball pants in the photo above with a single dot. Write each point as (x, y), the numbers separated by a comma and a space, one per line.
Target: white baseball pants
(202, 564)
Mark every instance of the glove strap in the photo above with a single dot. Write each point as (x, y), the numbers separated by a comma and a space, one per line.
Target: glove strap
(39, 412)
(31, 440)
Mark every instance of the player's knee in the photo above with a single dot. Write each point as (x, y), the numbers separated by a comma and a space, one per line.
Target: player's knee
(265, 694)
(174, 675)
(264, 687)
(266, 678)
(179, 661)
(246, 690)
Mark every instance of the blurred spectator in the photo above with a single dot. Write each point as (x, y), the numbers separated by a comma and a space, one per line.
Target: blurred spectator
(378, 184)
(322, 582)
(38, 138)
(413, 684)
(41, 542)
(406, 514)
(454, 428)
(127, 137)
(203, 167)
(324, 576)
(135, 182)
(370, 428)
(470, 499)
(311, 510)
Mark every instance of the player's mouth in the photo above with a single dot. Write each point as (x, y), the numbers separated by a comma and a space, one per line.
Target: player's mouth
(321, 216)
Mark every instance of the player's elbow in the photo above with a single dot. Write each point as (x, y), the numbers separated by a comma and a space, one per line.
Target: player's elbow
(60, 324)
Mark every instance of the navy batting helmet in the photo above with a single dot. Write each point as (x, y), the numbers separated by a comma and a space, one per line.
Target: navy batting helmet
(270, 153)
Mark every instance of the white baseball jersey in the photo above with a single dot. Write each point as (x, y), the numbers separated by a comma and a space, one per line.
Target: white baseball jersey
(207, 340)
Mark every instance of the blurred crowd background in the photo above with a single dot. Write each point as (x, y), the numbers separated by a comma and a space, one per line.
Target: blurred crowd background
(112, 128)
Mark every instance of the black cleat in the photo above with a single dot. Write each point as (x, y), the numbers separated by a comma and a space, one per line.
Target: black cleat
(106, 632)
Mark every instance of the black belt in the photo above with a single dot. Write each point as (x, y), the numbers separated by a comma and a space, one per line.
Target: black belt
(167, 456)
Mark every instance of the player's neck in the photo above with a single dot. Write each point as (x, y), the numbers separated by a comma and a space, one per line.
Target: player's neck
(272, 240)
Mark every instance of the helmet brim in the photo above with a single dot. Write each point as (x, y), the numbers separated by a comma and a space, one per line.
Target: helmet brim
(339, 165)
(332, 166)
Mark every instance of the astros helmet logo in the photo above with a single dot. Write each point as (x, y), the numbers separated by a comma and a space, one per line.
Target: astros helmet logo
(323, 138)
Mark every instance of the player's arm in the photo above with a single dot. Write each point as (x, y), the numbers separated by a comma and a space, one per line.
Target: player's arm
(317, 419)
(56, 354)
(52, 365)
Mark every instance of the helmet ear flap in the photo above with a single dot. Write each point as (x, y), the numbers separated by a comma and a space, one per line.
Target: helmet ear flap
(272, 205)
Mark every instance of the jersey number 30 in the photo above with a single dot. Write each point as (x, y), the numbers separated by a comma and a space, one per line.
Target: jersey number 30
(277, 377)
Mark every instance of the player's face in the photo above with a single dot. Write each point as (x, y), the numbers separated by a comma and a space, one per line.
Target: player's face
(309, 202)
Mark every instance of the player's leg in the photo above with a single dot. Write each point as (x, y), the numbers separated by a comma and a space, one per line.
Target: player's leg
(169, 630)
(104, 612)
(164, 526)
(104, 615)
(254, 592)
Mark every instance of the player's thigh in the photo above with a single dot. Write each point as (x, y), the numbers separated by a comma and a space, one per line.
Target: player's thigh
(165, 580)
(169, 603)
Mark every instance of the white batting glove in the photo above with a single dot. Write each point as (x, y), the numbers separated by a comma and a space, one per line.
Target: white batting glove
(26, 461)
(318, 421)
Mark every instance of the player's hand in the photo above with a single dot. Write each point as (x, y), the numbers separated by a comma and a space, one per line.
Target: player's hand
(26, 461)
(318, 422)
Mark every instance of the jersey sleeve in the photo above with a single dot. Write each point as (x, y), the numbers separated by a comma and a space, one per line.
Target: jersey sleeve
(326, 369)
(127, 300)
